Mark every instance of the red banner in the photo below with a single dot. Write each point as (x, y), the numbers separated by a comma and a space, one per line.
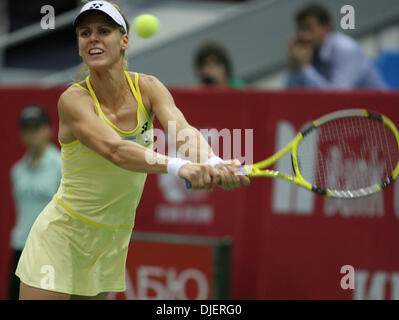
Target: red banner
(288, 243)
(175, 268)
(294, 243)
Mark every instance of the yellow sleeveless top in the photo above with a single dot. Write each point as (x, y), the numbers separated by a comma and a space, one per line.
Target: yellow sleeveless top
(95, 190)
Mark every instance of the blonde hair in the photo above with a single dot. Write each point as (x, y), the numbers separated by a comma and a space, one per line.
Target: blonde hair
(84, 69)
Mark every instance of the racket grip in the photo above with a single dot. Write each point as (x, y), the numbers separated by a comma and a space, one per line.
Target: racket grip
(188, 183)
(242, 170)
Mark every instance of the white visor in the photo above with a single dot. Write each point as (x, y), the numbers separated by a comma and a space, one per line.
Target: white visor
(104, 7)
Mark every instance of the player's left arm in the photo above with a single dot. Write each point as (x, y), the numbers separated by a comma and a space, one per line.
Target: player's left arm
(189, 141)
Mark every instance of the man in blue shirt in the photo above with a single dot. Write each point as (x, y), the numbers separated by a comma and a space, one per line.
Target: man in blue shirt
(35, 179)
(323, 59)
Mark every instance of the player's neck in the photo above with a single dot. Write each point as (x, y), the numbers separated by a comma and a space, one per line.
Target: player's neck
(109, 85)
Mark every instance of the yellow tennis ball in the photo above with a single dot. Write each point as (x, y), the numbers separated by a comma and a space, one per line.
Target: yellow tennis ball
(146, 25)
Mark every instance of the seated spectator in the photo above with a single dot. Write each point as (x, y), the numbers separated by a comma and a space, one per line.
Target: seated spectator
(213, 67)
(323, 59)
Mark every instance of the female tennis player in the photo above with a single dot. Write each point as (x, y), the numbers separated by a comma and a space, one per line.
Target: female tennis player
(77, 247)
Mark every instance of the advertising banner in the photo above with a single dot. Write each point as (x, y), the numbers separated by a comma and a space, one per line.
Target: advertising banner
(287, 243)
(170, 267)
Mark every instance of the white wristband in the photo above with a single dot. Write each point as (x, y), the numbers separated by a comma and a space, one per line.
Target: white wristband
(175, 164)
(213, 161)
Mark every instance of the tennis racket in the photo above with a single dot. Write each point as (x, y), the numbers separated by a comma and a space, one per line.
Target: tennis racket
(345, 154)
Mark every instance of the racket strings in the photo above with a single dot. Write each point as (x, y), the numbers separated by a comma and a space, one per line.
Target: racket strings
(348, 154)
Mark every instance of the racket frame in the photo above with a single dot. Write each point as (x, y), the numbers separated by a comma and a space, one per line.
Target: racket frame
(258, 169)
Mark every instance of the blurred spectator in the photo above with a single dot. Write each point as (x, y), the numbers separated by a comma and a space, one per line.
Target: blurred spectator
(214, 67)
(322, 58)
(35, 179)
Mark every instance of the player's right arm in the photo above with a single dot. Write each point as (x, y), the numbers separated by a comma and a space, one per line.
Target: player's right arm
(76, 112)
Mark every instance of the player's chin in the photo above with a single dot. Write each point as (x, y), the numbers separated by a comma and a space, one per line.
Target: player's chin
(97, 62)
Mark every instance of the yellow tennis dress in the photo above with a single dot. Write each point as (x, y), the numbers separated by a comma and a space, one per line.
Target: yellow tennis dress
(78, 244)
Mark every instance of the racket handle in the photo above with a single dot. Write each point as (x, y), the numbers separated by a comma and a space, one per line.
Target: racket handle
(242, 169)
(188, 183)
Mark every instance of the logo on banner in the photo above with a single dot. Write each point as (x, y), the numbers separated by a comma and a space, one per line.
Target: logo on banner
(288, 198)
(156, 282)
(188, 206)
(182, 205)
(341, 169)
(175, 192)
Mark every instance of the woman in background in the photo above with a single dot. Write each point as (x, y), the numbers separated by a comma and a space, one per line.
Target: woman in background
(34, 180)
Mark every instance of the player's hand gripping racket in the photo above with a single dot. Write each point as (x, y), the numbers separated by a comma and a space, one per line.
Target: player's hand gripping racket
(344, 154)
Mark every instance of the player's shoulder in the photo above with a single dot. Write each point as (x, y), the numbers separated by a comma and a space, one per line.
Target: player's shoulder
(74, 91)
(73, 101)
(72, 95)
(145, 80)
